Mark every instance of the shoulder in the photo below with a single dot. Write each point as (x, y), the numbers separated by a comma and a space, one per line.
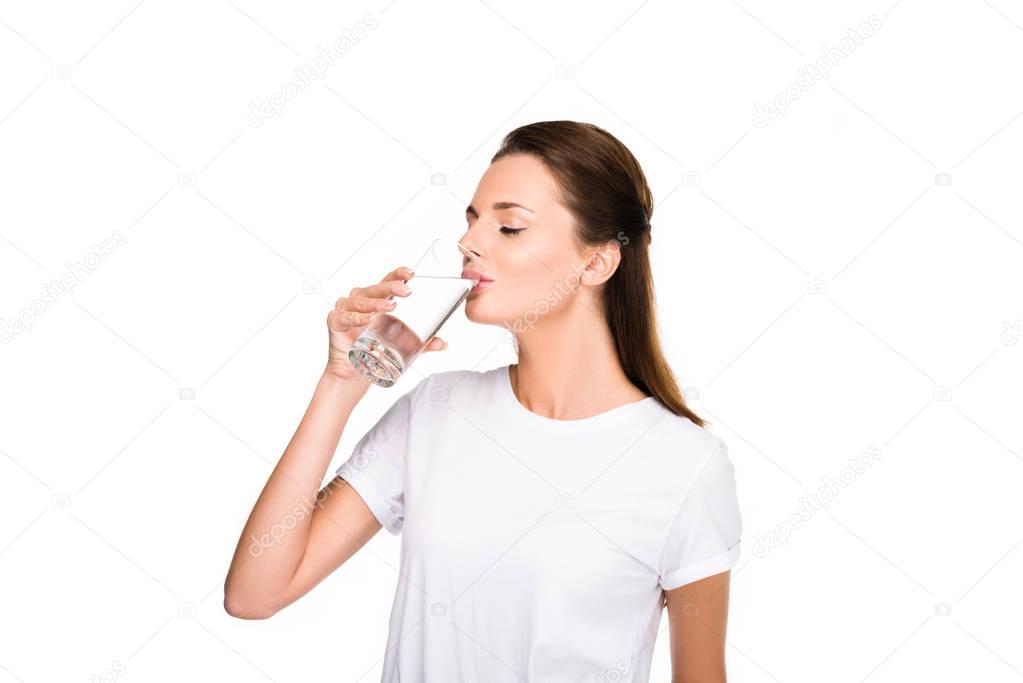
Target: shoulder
(451, 377)
(684, 432)
(468, 383)
(683, 448)
(464, 385)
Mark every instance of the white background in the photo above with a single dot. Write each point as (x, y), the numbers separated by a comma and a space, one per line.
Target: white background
(844, 278)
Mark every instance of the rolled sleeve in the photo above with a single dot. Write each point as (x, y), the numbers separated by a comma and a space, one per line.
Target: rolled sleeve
(704, 538)
(376, 467)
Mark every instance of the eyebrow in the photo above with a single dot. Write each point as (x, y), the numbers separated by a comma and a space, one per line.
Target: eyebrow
(498, 206)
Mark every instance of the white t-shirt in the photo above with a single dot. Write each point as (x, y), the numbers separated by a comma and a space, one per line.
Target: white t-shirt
(536, 549)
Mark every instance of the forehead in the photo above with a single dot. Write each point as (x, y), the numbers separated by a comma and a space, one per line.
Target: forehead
(518, 178)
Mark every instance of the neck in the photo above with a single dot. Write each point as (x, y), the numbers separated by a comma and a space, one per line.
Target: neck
(568, 367)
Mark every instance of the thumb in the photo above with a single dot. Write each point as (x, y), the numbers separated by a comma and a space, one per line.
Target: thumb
(436, 344)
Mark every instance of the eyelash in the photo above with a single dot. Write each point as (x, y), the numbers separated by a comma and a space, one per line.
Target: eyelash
(511, 231)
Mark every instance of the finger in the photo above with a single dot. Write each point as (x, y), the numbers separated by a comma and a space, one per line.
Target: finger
(399, 274)
(382, 290)
(334, 320)
(389, 288)
(356, 318)
(342, 320)
(363, 304)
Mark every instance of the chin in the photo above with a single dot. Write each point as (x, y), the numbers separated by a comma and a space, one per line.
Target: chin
(482, 312)
(474, 311)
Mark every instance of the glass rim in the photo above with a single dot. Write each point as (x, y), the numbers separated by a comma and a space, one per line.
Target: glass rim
(438, 247)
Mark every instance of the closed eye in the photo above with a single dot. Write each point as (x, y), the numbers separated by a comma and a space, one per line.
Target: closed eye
(511, 231)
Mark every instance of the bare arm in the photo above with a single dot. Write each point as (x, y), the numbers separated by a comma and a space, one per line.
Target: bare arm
(297, 534)
(698, 619)
(283, 521)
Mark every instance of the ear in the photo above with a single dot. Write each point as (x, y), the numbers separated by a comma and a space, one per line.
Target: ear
(602, 264)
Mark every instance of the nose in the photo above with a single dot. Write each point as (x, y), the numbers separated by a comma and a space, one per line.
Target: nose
(468, 251)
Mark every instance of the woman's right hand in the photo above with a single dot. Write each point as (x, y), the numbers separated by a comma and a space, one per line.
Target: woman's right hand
(352, 313)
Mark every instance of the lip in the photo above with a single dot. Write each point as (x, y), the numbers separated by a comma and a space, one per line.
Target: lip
(483, 280)
(475, 275)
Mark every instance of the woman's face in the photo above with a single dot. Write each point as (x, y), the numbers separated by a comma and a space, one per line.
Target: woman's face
(529, 251)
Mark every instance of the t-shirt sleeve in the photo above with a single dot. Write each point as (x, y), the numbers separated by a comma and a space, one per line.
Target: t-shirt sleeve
(376, 467)
(704, 536)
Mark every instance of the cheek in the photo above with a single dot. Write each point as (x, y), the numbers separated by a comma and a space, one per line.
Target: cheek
(534, 280)
(538, 282)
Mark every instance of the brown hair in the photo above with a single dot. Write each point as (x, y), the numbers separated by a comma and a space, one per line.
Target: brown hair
(604, 188)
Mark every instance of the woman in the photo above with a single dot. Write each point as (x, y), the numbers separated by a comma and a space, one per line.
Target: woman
(552, 508)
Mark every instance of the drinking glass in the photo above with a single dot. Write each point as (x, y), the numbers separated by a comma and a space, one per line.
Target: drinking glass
(394, 339)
